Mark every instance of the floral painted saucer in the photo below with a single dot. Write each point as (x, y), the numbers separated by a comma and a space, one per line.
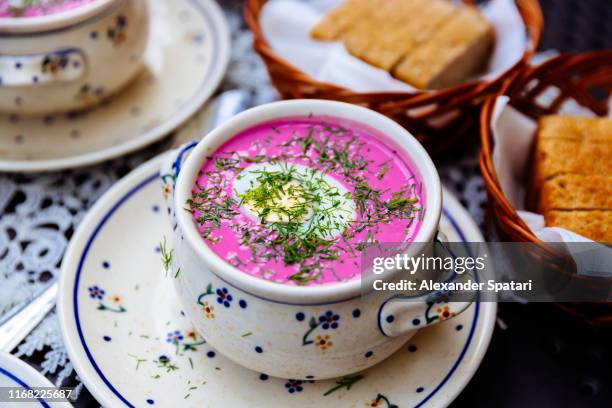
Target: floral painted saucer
(187, 56)
(132, 345)
(17, 378)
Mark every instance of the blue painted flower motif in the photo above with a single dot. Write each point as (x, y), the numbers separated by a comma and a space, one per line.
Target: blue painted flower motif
(326, 321)
(223, 297)
(174, 337)
(121, 21)
(96, 292)
(89, 93)
(294, 386)
(117, 32)
(54, 63)
(329, 320)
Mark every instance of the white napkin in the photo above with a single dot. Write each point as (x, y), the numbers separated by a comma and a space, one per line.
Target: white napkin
(513, 135)
(286, 27)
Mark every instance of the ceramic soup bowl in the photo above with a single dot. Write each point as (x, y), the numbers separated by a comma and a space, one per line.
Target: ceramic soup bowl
(73, 59)
(291, 331)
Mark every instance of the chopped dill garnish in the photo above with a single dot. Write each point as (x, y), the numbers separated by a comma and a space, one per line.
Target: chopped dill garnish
(383, 169)
(138, 360)
(212, 209)
(166, 255)
(164, 362)
(226, 163)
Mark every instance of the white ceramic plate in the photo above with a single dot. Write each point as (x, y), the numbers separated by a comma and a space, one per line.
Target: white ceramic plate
(14, 373)
(187, 56)
(120, 320)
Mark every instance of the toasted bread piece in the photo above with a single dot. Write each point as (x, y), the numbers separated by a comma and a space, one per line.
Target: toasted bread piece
(335, 22)
(571, 164)
(579, 128)
(562, 156)
(455, 52)
(569, 145)
(408, 27)
(595, 225)
(577, 192)
(361, 35)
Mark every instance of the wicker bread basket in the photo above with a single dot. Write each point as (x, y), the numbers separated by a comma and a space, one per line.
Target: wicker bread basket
(438, 119)
(585, 78)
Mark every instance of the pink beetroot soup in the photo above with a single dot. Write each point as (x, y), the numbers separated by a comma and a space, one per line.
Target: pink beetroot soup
(35, 8)
(295, 201)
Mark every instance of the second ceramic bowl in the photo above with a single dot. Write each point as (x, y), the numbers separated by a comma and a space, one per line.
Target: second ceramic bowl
(71, 60)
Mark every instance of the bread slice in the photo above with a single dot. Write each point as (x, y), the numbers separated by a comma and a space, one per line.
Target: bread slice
(568, 145)
(456, 51)
(577, 192)
(572, 175)
(407, 27)
(578, 128)
(563, 156)
(331, 27)
(380, 20)
(595, 225)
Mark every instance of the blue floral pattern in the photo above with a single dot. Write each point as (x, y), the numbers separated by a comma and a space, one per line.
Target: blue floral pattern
(294, 386)
(117, 32)
(329, 320)
(54, 63)
(190, 340)
(224, 297)
(98, 294)
(174, 337)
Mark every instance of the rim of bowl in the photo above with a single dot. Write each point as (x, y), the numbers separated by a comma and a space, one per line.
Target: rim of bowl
(55, 20)
(328, 293)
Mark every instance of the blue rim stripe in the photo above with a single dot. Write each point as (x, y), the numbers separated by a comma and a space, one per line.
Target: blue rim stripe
(75, 293)
(154, 177)
(474, 320)
(21, 383)
(99, 227)
(178, 162)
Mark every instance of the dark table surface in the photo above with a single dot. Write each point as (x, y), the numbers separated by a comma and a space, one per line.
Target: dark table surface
(546, 358)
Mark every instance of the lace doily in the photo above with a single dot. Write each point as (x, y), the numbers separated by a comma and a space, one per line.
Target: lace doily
(39, 213)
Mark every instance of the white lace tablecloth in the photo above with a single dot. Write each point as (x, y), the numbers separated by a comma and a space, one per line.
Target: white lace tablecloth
(39, 213)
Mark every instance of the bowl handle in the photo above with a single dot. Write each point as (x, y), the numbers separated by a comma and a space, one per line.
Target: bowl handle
(59, 66)
(401, 314)
(169, 172)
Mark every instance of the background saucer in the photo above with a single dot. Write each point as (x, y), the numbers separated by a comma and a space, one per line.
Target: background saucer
(187, 56)
(119, 314)
(16, 373)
